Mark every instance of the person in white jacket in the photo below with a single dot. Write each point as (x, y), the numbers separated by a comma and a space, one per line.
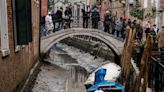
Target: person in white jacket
(49, 23)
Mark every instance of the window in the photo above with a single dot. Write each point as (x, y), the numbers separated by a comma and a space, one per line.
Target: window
(22, 22)
(4, 28)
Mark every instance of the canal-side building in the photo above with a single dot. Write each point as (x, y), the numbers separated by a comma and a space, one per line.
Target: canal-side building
(19, 41)
(117, 7)
(153, 11)
(159, 13)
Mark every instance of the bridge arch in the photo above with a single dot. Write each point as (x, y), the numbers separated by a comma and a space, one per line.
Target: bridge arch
(114, 44)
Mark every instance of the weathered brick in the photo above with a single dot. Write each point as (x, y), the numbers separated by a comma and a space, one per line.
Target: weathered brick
(14, 67)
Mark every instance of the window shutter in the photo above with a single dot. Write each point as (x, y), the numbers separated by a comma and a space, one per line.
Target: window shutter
(29, 21)
(23, 21)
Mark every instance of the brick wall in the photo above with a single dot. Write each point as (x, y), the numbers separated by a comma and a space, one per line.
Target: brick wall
(15, 67)
(44, 7)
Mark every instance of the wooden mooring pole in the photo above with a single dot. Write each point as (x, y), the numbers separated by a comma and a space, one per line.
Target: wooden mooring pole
(127, 55)
(142, 79)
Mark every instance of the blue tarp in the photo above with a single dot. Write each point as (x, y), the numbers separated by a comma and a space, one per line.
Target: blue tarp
(99, 75)
(101, 83)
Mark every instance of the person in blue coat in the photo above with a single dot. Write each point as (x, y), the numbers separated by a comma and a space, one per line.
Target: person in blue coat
(95, 18)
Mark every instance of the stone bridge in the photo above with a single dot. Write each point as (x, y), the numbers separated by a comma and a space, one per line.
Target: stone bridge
(112, 42)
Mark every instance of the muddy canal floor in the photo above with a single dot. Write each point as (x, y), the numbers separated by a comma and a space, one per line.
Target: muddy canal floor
(66, 70)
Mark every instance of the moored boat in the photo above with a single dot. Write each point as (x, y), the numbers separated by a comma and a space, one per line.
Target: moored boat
(104, 79)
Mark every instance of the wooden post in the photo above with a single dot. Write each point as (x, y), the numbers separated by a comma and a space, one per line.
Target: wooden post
(125, 44)
(127, 53)
(144, 67)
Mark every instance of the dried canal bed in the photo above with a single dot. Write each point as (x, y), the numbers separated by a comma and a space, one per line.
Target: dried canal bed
(68, 70)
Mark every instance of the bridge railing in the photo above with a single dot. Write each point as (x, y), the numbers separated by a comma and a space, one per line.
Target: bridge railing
(75, 22)
(156, 75)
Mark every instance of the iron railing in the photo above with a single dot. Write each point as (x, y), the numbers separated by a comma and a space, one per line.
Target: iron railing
(156, 75)
(76, 22)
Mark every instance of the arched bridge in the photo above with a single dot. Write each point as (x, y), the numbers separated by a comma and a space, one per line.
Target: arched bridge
(115, 44)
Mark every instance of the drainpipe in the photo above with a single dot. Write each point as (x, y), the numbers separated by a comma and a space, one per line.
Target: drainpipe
(40, 28)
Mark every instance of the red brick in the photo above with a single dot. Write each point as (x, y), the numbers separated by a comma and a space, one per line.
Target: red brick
(14, 67)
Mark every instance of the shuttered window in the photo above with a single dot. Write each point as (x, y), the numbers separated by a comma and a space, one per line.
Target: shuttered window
(22, 22)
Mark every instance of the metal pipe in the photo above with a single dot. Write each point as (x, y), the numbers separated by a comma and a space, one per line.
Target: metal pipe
(40, 28)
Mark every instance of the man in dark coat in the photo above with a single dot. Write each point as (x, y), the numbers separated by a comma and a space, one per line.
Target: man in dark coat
(95, 18)
(68, 14)
(54, 18)
(123, 29)
(85, 18)
(129, 23)
(107, 21)
(59, 20)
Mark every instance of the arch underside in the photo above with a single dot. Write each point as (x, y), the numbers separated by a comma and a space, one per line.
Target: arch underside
(49, 41)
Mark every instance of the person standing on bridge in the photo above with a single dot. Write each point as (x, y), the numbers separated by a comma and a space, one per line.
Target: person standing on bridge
(147, 30)
(119, 25)
(86, 14)
(59, 20)
(68, 14)
(95, 18)
(49, 23)
(129, 23)
(107, 21)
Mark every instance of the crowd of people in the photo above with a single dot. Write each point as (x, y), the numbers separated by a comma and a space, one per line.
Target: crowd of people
(56, 21)
(111, 24)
